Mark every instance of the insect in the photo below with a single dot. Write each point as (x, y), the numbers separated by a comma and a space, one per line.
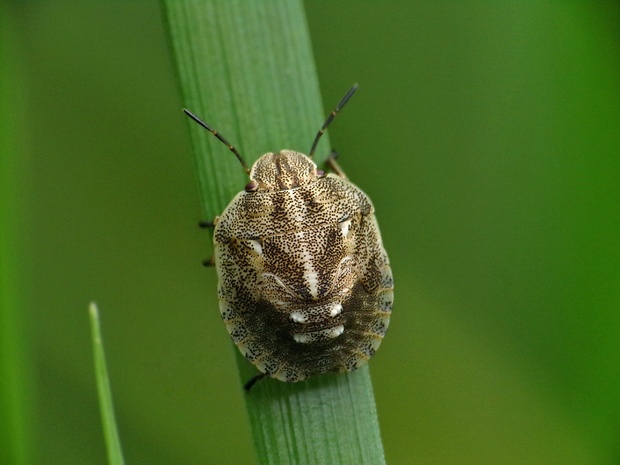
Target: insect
(305, 285)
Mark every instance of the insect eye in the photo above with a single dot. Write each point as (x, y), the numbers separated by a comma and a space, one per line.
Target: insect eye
(252, 186)
(320, 173)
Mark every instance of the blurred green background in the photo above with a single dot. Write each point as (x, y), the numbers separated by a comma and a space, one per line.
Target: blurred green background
(488, 136)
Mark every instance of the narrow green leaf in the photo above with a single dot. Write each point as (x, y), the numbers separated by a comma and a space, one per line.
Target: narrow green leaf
(247, 69)
(113, 443)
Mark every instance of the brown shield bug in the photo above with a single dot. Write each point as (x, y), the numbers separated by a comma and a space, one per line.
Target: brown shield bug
(305, 285)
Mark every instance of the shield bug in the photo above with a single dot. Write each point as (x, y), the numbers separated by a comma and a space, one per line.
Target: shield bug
(305, 285)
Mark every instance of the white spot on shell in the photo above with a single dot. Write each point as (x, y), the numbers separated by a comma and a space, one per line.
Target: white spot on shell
(256, 246)
(303, 338)
(336, 310)
(323, 334)
(345, 228)
(337, 331)
(298, 317)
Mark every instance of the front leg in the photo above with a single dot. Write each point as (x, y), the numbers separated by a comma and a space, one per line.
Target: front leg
(208, 224)
(334, 166)
(209, 262)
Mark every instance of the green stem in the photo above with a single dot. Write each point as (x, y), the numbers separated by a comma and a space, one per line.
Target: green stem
(247, 69)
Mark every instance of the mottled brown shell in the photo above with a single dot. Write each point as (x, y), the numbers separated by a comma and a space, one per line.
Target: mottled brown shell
(305, 286)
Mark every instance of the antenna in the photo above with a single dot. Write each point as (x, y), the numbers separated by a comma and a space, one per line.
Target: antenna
(220, 137)
(331, 117)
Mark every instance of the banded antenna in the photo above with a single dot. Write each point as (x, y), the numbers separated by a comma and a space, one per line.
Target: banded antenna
(220, 137)
(331, 117)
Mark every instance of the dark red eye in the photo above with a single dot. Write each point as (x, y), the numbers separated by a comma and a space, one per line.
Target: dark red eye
(252, 186)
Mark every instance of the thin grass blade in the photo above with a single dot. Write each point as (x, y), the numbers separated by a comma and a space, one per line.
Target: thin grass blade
(110, 431)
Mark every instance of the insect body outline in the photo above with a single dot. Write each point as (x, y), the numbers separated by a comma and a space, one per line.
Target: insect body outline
(304, 284)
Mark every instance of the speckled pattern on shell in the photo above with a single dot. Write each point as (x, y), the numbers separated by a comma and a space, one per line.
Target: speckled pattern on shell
(305, 285)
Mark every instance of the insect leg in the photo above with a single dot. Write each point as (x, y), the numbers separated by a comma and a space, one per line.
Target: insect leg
(253, 381)
(334, 166)
(209, 262)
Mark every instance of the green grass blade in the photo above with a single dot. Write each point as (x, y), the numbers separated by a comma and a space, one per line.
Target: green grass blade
(113, 443)
(247, 69)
